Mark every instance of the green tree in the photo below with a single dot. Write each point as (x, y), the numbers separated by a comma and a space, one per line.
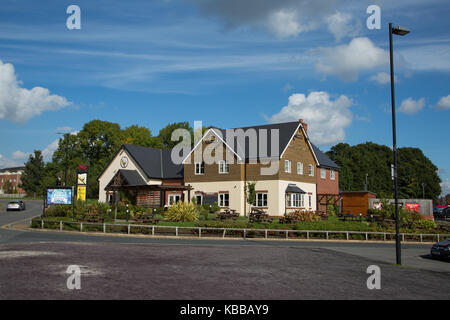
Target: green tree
(141, 136)
(33, 174)
(165, 134)
(414, 168)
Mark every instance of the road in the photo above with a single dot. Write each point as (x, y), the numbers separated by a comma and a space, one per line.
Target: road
(33, 265)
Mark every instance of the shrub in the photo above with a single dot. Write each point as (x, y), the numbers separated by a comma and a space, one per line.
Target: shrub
(58, 211)
(212, 208)
(303, 215)
(182, 212)
(224, 224)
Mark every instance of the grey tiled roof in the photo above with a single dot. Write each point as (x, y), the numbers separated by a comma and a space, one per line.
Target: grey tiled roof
(323, 159)
(156, 163)
(286, 131)
(132, 176)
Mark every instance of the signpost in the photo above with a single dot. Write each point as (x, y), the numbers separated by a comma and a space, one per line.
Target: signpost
(82, 179)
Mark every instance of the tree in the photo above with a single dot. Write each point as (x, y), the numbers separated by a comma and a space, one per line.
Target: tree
(33, 174)
(414, 168)
(165, 134)
(140, 136)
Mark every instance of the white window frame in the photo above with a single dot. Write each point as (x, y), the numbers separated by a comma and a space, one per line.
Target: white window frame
(287, 166)
(297, 200)
(199, 166)
(262, 202)
(332, 174)
(311, 170)
(171, 200)
(222, 201)
(224, 166)
(323, 173)
(299, 168)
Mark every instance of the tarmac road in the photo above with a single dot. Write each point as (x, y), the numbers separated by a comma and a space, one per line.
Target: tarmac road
(33, 265)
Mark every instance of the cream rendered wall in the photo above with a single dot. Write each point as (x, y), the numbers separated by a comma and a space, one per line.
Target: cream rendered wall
(307, 187)
(235, 189)
(112, 169)
(272, 188)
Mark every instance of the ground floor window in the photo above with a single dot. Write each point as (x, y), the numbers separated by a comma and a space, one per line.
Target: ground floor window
(296, 200)
(224, 199)
(310, 201)
(261, 199)
(174, 198)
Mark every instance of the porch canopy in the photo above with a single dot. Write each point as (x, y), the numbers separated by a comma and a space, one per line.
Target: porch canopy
(292, 188)
(131, 180)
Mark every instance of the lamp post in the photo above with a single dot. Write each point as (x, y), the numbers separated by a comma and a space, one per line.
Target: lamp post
(401, 31)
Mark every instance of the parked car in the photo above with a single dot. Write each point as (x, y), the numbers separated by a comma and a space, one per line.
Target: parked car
(15, 205)
(441, 250)
(443, 214)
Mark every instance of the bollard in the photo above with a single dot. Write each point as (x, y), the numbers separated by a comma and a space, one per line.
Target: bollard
(110, 212)
(128, 212)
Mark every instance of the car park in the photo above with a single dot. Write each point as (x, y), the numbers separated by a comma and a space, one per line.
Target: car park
(17, 205)
(441, 250)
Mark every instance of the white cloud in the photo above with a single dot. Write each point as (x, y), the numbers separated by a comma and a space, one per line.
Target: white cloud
(411, 106)
(48, 151)
(19, 155)
(382, 78)
(284, 18)
(445, 188)
(346, 61)
(19, 104)
(444, 103)
(342, 25)
(326, 118)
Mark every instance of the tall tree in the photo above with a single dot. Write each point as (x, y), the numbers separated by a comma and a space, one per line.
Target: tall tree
(33, 174)
(165, 134)
(414, 168)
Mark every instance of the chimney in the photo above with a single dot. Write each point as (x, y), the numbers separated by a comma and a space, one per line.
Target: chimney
(305, 126)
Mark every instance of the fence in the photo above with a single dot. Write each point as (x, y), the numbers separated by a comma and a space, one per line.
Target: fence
(203, 232)
(14, 195)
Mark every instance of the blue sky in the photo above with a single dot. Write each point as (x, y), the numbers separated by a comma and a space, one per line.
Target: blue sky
(228, 63)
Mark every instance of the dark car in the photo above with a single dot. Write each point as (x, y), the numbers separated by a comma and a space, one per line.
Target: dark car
(441, 250)
(443, 214)
(17, 205)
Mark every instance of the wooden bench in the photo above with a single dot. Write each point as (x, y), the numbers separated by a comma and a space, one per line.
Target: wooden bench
(259, 216)
(146, 219)
(228, 214)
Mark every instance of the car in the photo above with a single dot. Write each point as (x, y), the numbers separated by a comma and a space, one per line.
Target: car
(15, 205)
(441, 250)
(443, 214)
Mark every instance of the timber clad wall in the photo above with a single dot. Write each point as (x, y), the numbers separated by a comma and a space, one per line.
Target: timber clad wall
(298, 151)
(356, 202)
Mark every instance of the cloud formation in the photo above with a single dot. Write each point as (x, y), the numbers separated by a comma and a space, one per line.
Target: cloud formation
(444, 103)
(382, 78)
(18, 104)
(411, 106)
(284, 18)
(326, 118)
(347, 61)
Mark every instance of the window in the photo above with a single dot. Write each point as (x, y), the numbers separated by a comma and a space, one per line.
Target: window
(224, 199)
(261, 199)
(310, 170)
(174, 198)
(299, 168)
(323, 173)
(224, 166)
(332, 174)
(287, 166)
(199, 199)
(310, 201)
(199, 168)
(296, 200)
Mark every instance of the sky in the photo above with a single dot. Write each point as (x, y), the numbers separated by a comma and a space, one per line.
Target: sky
(228, 63)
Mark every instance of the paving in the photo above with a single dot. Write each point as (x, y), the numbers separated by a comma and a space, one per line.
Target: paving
(33, 265)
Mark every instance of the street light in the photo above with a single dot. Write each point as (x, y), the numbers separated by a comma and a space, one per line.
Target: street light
(401, 31)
